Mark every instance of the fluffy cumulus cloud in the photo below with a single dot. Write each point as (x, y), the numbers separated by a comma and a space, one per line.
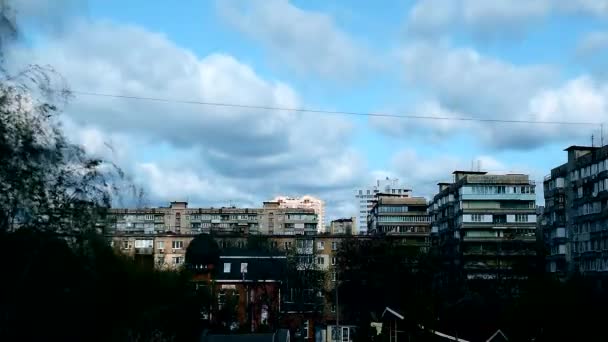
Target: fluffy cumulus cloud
(209, 154)
(492, 18)
(307, 41)
(466, 84)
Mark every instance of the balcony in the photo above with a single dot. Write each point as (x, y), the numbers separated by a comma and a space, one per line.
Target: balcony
(486, 197)
(144, 251)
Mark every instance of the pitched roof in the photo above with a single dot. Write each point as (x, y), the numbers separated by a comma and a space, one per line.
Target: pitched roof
(393, 313)
(498, 336)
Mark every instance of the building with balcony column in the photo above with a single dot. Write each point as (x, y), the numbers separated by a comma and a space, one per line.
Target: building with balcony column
(576, 213)
(365, 196)
(276, 219)
(485, 225)
(180, 219)
(305, 202)
(398, 215)
(343, 226)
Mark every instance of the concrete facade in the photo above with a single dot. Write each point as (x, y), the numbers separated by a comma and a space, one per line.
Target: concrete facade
(485, 225)
(404, 216)
(575, 229)
(347, 226)
(179, 218)
(305, 202)
(364, 198)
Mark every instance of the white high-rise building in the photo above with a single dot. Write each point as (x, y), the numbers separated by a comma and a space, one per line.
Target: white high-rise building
(305, 202)
(365, 196)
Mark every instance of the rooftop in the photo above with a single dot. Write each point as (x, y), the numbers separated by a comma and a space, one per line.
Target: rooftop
(459, 172)
(402, 200)
(581, 148)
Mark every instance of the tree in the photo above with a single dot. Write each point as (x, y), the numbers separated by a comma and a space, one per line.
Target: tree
(63, 281)
(377, 273)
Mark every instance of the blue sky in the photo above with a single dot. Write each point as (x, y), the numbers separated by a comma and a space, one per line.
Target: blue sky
(538, 60)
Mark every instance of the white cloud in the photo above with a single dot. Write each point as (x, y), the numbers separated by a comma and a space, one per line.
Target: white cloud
(423, 172)
(493, 18)
(464, 83)
(209, 154)
(307, 41)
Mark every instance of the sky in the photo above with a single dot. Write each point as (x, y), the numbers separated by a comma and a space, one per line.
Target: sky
(533, 60)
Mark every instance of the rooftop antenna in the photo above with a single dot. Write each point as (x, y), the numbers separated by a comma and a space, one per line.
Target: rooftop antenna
(472, 164)
(592, 141)
(602, 135)
(478, 165)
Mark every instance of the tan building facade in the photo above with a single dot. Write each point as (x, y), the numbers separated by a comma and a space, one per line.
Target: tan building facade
(178, 218)
(305, 202)
(344, 226)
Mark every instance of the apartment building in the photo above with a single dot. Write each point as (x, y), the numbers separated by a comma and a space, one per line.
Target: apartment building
(485, 225)
(343, 226)
(305, 202)
(179, 218)
(276, 219)
(397, 215)
(575, 226)
(364, 198)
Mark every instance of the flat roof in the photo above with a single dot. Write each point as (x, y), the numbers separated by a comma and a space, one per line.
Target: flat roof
(470, 172)
(581, 148)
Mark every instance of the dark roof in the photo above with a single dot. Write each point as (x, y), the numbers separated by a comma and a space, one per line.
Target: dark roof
(258, 268)
(343, 220)
(581, 148)
(469, 172)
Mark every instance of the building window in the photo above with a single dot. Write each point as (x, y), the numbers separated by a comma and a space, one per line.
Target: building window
(499, 219)
(333, 308)
(144, 243)
(333, 260)
(334, 246)
(126, 244)
(177, 244)
(226, 267)
(521, 218)
(320, 245)
(243, 267)
(177, 260)
(477, 217)
(160, 245)
(305, 329)
(320, 260)
(333, 276)
(360, 192)
(287, 244)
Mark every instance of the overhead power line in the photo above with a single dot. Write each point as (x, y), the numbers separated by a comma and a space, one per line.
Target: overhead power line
(320, 111)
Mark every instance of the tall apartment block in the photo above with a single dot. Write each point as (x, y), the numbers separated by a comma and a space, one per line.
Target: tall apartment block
(305, 202)
(179, 218)
(364, 198)
(575, 228)
(485, 225)
(398, 215)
